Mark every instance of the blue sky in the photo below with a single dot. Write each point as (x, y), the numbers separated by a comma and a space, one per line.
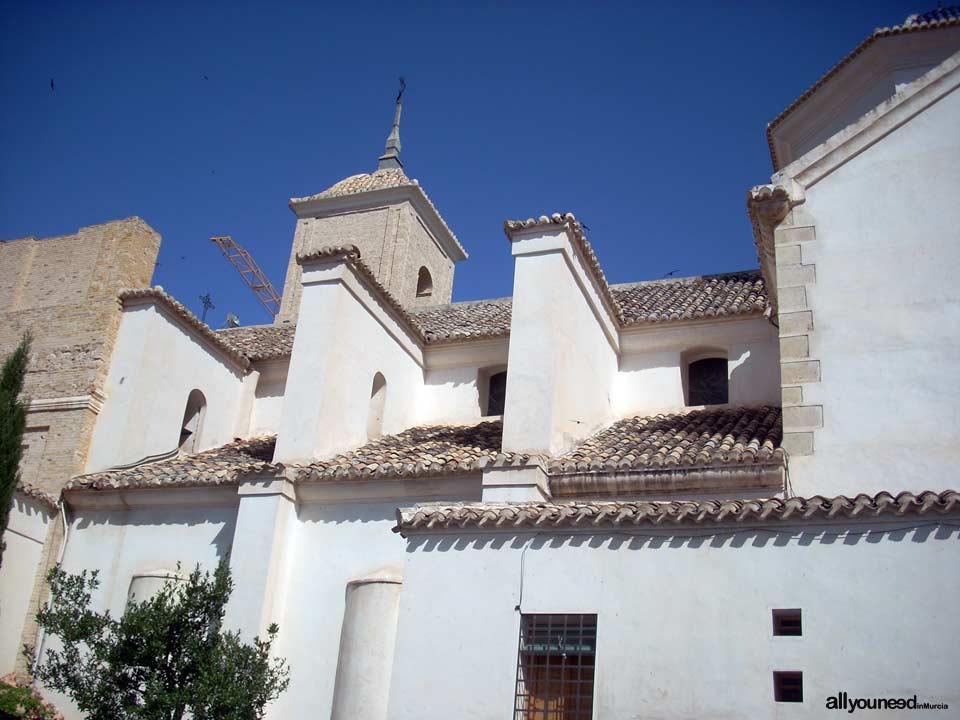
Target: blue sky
(645, 120)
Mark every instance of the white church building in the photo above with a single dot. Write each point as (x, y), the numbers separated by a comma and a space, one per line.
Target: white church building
(727, 496)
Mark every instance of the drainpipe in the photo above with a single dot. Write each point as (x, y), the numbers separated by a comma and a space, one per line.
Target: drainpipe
(62, 506)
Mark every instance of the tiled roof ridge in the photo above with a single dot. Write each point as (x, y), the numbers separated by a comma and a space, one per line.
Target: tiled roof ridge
(180, 310)
(459, 303)
(246, 339)
(351, 255)
(583, 245)
(32, 492)
(592, 515)
(906, 27)
(688, 279)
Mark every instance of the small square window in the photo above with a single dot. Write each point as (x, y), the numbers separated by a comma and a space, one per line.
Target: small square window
(787, 622)
(788, 686)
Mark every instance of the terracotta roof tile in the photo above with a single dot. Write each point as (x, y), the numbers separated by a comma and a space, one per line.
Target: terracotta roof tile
(260, 342)
(419, 452)
(728, 437)
(364, 182)
(464, 320)
(220, 466)
(716, 436)
(714, 450)
(693, 298)
(611, 514)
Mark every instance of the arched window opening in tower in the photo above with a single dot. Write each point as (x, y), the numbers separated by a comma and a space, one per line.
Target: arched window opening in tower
(424, 283)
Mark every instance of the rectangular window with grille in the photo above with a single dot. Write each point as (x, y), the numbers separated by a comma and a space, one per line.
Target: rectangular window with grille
(555, 667)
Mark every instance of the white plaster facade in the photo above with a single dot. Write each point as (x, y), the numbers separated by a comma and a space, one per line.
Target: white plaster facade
(857, 347)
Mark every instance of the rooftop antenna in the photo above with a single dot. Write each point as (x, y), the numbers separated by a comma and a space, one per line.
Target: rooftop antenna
(207, 305)
(390, 160)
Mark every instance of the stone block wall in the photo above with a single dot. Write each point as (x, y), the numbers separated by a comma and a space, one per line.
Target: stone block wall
(63, 290)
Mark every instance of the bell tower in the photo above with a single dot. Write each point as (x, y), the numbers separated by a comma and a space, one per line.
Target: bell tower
(401, 236)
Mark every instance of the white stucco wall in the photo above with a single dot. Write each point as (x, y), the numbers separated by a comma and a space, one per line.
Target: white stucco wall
(24, 537)
(454, 377)
(268, 398)
(155, 364)
(561, 364)
(331, 545)
(886, 313)
(684, 623)
(652, 364)
(344, 337)
(121, 543)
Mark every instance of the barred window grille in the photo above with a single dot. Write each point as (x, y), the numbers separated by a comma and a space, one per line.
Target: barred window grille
(555, 667)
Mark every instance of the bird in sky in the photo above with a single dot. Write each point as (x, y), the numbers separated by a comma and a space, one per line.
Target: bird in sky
(670, 274)
(53, 86)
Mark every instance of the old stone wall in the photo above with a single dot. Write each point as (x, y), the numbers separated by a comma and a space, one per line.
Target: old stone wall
(393, 243)
(63, 290)
(422, 250)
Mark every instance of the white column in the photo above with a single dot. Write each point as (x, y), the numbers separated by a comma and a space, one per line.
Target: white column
(266, 514)
(367, 641)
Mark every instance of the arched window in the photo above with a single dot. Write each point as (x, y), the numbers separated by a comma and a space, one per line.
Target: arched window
(707, 381)
(378, 397)
(424, 283)
(192, 421)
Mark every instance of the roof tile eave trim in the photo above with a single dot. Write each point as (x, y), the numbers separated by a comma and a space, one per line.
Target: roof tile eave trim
(761, 475)
(583, 245)
(604, 515)
(132, 296)
(846, 60)
(350, 254)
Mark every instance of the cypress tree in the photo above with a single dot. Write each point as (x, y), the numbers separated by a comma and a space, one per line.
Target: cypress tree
(13, 420)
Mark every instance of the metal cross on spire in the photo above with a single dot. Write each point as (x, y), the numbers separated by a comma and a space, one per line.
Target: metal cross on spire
(390, 160)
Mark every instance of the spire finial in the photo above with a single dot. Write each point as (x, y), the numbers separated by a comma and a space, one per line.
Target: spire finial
(390, 160)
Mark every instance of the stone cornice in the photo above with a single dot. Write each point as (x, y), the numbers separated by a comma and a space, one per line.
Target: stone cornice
(93, 402)
(600, 515)
(767, 206)
(142, 296)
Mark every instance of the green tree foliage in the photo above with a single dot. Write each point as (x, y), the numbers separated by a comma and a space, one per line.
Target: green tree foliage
(13, 420)
(167, 658)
